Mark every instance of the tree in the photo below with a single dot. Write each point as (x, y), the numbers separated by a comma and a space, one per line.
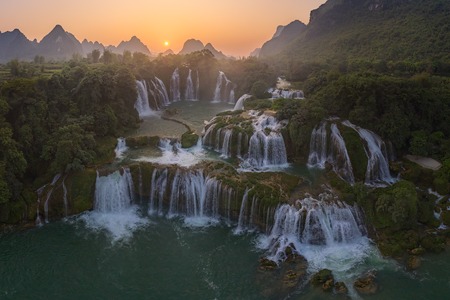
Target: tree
(95, 55)
(108, 57)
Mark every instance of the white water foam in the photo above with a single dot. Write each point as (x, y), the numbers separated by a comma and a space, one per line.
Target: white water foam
(329, 236)
(173, 154)
(113, 209)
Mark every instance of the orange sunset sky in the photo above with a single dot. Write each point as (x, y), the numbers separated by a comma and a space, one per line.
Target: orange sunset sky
(235, 27)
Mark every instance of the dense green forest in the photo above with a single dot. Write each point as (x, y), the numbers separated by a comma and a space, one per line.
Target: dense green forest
(65, 117)
(384, 30)
(70, 119)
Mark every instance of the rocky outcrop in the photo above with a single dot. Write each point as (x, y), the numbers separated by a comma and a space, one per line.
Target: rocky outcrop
(282, 37)
(366, 284)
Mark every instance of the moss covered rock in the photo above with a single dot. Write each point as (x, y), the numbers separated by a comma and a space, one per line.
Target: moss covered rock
(189, 139)
(366, 284)
(81, 188)
(321, 277)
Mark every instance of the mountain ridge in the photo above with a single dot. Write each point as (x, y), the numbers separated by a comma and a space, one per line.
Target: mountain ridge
(374, 30)
(192, 45)
(58, 44)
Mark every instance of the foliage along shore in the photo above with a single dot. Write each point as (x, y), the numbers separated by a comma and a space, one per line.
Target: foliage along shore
(68, 123)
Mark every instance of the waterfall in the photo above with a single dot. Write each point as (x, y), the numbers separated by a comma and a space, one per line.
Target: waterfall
(193, 195)
(121, 147)
(113, 206)
(142, 105)
(242, 213)
(158, 190)
(231, 98)
(286, 94)
(66, 204)
(239, 147)
(190, 92)
(224, 91)
(217, 141)
(378, 162)
(339, 155)
(266, 146)
(240, 103)
(318, 146)
(329, 234)
(253, 213)
(220, 141)
(313, 222)
(175, 86)
(113, 193)
(159, 92)
(208, 135)
(49, 194)
(197, 88)
(334, 151)
(226, 150)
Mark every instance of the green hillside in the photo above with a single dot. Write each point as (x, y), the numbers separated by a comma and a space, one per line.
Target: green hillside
(390, 30)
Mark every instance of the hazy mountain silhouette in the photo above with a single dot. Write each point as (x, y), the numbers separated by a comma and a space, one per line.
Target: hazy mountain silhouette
(193, 45)
(58, 44)
(14, 44)
(89, 46)
(133, 45)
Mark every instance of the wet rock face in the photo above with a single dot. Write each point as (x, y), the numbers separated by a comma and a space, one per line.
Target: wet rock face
(282, 279)
(323, 278)
(340, 288)
(366, 284)
(414, 262)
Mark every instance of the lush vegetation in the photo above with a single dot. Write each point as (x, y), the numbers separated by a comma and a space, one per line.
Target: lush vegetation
(386, 31)
(63, 118)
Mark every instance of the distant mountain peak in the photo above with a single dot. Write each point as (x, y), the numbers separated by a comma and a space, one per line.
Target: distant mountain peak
(192, 45)
(58, 29)
(283, 36)
(133, 45)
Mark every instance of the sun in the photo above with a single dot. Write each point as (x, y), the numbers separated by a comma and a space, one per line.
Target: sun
(166, 43)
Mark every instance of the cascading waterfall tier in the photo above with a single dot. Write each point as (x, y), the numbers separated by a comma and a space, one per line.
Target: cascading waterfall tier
(286, 94)
(114, 210)
(142, 104)
(175, 86)
(199, 198)
(159, 93)
(328, 233)
(192, 86)
(121, 147)
(314, 222)
(240, 103)
(113, 193)
(378, 161)
(191, 93)
(263, 148)
(329, 146)
(283, 90)
(266, 147)
(224, 91)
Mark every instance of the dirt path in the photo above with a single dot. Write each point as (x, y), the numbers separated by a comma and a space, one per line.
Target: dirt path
(425, 162)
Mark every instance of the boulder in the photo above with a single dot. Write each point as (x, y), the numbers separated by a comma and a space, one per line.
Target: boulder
(322, 277)
(366, 284)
